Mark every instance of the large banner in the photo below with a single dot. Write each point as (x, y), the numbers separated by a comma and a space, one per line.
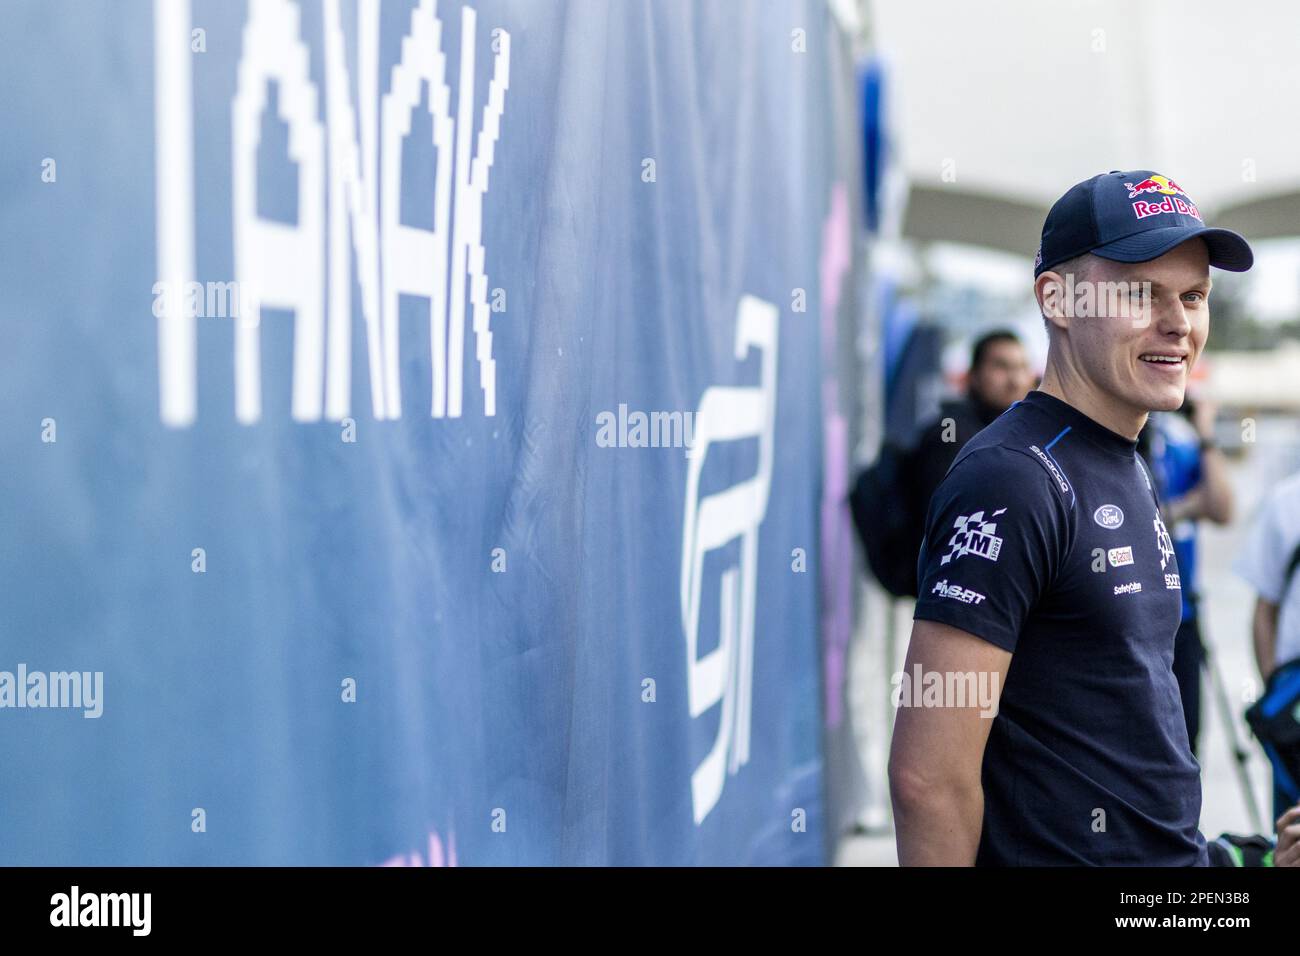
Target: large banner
(413, 430)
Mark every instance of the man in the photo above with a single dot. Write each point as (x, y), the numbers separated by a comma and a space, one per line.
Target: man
(1192, 481)
(999, 376)
(1268, 562)
(1047, 568)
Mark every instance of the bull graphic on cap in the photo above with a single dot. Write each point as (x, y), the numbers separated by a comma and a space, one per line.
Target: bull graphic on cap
(1154, 184)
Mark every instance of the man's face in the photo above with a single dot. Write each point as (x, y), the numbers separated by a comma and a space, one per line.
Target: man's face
(1143, 358)
(1003, 375)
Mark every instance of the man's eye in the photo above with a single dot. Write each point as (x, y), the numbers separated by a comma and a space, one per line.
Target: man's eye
(1195, 297)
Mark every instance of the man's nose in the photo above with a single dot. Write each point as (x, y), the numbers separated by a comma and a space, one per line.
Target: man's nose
(1171, 317)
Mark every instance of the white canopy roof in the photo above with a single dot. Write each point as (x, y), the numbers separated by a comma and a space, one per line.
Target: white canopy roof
(1019, 99)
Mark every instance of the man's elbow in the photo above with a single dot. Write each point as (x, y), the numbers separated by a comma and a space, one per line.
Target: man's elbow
(915, 787)
(908, 786)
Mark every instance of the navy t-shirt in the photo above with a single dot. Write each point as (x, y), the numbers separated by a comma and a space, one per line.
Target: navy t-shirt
(1045, 539)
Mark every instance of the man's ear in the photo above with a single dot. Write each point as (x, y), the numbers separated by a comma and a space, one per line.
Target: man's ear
(1049, 290)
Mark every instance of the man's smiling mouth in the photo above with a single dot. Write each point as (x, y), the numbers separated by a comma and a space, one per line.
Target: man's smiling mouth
(1175, 360)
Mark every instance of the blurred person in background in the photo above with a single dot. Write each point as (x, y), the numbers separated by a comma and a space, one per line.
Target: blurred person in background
(907, 475)
(999, 377)
(1268, 562)
(1191, 477)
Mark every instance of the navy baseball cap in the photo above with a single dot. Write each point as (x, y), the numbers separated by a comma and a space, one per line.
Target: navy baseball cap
(1132, 217)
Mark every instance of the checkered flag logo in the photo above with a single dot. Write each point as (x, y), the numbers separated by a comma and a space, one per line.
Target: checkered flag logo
(973, 535)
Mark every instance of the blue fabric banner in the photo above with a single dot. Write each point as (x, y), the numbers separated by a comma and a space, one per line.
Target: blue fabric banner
(413, 430)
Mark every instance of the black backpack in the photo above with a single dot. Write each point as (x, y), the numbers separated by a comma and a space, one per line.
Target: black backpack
(885, 513)
(1275, 717)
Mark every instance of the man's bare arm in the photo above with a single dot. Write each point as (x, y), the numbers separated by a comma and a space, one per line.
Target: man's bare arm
(1216, 487)
(937, 752)
(1210, 499)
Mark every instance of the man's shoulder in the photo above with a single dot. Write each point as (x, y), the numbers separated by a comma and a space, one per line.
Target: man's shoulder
(1011, 453)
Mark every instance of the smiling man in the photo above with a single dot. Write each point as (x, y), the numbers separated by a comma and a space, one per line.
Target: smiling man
(1046, 563)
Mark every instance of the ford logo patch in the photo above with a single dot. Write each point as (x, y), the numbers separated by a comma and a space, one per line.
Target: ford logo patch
(1108, 516)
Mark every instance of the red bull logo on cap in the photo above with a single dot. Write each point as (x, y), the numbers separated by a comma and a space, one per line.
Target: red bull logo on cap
(1175, 199)
(1155, 184)
(1168, 204)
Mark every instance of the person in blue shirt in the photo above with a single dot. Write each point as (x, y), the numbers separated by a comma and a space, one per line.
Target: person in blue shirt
(1192, 480)
(1039, 720)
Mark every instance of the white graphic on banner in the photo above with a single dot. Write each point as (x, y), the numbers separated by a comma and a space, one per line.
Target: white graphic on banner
(725, 675)
(352, 177)
(174, 212)
(285, 264)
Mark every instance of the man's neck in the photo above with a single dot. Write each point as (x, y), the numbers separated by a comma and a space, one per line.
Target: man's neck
(1099, 407)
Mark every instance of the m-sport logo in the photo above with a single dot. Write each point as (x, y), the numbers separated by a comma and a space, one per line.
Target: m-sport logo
(974, 535)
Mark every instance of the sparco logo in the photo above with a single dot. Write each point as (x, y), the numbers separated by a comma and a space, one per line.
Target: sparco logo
(1051, 466)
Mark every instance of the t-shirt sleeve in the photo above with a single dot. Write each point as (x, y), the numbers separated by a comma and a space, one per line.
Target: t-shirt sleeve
(1262, 562)
(996, 532)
